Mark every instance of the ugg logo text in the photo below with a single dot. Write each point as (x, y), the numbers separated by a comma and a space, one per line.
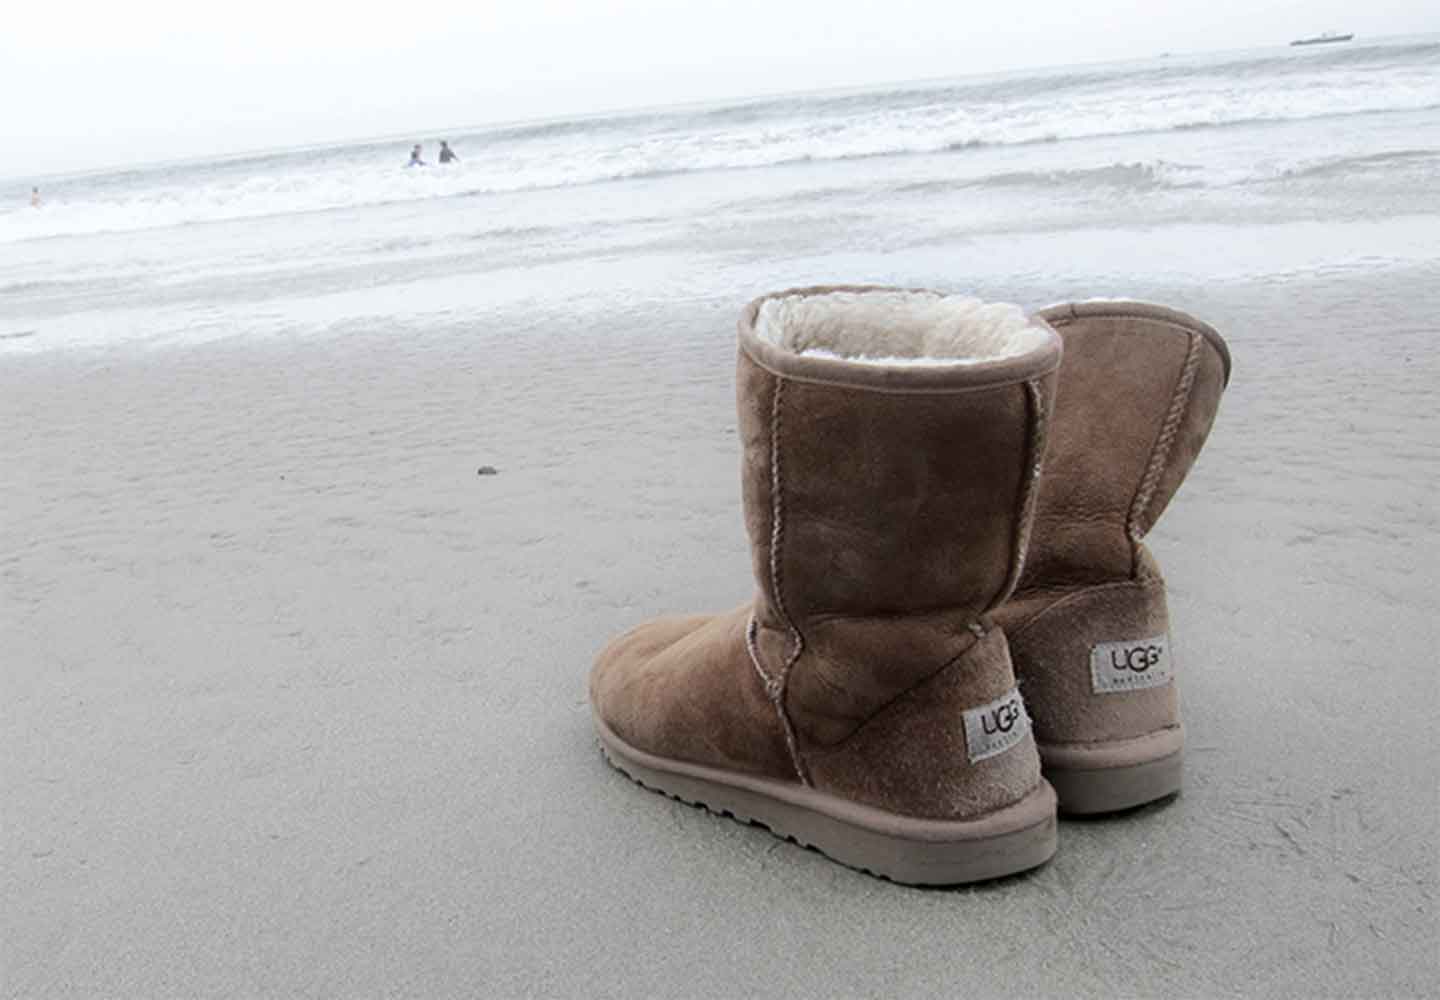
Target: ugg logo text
(1002, 720)
(1136, 658)
(996, 727)
(1130, 666)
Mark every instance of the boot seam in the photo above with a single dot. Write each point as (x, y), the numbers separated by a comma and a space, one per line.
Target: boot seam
(896, 390)
(1160, 452)
(772, 691)
(777, 686)
(944, 612)
(1076, 594)
(953, 661)
(976, 629)
(1037, 429)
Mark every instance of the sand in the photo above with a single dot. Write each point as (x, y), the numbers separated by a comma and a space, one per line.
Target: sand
(294, 701)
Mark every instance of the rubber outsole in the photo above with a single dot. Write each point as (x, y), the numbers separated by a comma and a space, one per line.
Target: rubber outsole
(903, 849)
(1088, 792)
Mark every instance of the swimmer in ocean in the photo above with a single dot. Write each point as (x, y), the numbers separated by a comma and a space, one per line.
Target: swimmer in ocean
(447, 155)
(415, 160)
(34, 197)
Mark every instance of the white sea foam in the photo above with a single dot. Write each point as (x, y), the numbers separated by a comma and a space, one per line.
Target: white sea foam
(1070, 180)
(953, 117)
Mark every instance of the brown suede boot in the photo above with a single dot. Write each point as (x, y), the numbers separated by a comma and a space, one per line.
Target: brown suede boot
(863, 704)
(1088, 626)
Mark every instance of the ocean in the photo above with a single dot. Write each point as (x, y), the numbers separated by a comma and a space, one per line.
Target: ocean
(1033, 184)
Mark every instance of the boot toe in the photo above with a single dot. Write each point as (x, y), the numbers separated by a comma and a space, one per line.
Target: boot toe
(685, 689)
(617, 680)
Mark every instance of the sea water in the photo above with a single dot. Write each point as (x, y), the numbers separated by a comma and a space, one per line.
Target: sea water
(1033, 184)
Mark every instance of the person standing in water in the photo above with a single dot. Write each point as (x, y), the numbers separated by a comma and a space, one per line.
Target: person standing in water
(415, 160)
(447, 155)
(34, 197)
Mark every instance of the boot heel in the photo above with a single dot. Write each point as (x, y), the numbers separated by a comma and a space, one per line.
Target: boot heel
(1101, 779)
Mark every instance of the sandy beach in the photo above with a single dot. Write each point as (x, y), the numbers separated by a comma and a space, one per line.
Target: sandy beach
(294, 700)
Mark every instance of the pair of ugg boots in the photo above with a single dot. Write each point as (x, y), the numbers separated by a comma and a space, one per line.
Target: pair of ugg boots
(955, 619)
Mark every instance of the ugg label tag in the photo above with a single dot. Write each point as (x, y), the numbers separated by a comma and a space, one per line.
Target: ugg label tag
(994, 728)
(1131, 665)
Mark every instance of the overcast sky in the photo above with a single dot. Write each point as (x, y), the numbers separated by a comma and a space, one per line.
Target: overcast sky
(92, 84)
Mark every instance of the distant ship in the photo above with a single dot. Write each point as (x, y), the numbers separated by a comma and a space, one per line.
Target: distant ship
(1324, 39)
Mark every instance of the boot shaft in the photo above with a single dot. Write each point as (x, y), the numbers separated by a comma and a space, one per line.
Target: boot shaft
(889, 484)
(1134, 404)
(891, 445)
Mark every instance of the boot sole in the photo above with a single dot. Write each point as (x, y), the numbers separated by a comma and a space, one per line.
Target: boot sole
(1089, 780)
(903, 849)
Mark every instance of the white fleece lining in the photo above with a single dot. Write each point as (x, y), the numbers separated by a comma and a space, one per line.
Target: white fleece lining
(897, 328)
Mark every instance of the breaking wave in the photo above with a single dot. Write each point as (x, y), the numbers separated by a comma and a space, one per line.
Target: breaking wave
(943, 118)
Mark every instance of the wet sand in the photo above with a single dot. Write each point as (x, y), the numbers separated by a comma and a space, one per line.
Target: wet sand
(294, 700)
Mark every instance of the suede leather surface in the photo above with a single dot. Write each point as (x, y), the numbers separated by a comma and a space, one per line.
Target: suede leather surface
(886, 512)
(850, 667)
(1201, 408)
(910, 757)
(1117, 387)
(1054, 644)
(754, 402)
(685, 688)
(900, 515)
(880, 492)
(1137, 396)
